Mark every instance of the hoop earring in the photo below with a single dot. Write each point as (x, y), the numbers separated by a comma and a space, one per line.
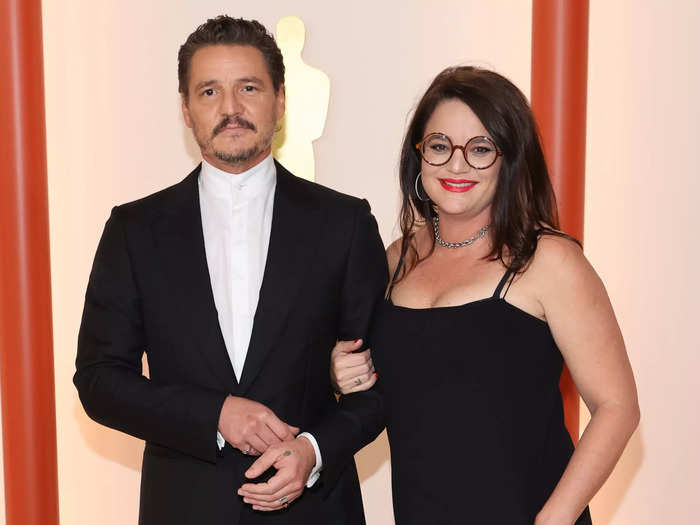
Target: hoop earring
(416, 185)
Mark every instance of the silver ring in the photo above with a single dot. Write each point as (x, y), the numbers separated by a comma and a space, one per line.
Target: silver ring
(358, 381)
(247, 450)
(284, 499)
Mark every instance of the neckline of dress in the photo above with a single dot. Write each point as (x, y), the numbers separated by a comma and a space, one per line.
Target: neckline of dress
(465, 305)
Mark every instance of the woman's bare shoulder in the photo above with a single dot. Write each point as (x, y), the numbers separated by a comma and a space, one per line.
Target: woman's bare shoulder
(393, 254)
(559, 260)
(552, 250)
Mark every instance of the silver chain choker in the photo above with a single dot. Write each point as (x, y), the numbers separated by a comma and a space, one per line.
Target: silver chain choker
(446, 244)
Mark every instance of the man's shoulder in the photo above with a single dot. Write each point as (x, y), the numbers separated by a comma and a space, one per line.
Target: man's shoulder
(161, 201)
(326, 197)
(330, 196)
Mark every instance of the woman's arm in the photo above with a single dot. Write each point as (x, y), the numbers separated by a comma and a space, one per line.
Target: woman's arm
(581, 318)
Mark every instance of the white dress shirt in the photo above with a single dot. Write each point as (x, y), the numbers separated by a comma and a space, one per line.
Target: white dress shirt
(236, 220)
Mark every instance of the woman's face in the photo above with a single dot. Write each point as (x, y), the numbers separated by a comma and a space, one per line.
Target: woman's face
(456, 187)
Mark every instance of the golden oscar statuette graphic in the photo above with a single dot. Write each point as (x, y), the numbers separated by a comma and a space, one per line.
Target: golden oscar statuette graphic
(307, 93)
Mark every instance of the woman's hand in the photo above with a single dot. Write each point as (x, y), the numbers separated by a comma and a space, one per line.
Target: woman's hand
(352, 372)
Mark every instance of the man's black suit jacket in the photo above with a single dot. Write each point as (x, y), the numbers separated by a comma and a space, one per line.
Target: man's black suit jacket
(149, 291)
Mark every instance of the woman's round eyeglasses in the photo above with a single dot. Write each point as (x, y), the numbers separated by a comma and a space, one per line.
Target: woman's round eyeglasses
(479, 152)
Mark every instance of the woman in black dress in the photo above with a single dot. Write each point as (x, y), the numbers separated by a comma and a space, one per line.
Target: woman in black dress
(487, 301)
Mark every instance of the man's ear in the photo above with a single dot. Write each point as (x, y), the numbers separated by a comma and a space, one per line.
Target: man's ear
(185, 110)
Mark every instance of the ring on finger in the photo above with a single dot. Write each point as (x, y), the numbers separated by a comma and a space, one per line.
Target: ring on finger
(283, 500)
(358, 381)
(247, 450)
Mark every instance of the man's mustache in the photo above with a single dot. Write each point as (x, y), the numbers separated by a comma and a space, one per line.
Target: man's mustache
(227, 120)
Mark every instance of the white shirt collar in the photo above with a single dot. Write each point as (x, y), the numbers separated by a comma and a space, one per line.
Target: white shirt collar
(240, 186)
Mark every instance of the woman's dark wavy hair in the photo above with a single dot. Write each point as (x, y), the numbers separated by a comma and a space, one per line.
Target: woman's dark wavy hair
(524, 205)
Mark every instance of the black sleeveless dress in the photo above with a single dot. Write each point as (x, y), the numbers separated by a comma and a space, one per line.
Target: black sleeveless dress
(474, 412)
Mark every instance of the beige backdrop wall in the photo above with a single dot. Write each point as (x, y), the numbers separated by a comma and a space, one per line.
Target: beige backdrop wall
(642, 221)
(115, 134)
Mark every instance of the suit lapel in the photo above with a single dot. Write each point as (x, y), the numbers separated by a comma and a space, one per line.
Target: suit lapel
(296, 224)
(180, 239)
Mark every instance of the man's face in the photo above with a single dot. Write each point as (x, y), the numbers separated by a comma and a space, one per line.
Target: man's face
(232, 106)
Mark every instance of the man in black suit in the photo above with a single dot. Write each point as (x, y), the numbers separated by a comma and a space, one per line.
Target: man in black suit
(236, 282)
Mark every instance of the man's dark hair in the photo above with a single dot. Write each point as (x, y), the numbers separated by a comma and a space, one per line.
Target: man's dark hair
(224, 30)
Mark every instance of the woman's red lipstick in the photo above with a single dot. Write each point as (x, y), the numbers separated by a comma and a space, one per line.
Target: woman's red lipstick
(458, 185)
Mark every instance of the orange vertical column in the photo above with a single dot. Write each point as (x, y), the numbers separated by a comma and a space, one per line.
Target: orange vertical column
(559, 78)
(26, 349)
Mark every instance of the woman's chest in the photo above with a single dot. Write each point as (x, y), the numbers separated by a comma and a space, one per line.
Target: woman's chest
(440, 282)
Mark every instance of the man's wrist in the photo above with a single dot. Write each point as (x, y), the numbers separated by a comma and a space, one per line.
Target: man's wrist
(224, 405)
(311, 442)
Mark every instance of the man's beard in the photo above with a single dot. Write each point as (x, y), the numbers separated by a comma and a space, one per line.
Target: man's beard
(235, 159)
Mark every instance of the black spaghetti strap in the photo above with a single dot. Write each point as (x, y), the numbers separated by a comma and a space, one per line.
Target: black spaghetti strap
(393, 279)
(510, 281)
(502, 283)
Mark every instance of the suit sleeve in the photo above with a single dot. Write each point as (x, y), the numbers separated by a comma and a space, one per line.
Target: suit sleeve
(360, 416)
(109, 378)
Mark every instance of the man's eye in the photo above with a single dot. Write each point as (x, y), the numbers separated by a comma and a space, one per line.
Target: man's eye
(438, 147)
(208, 92)
(249, 89)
